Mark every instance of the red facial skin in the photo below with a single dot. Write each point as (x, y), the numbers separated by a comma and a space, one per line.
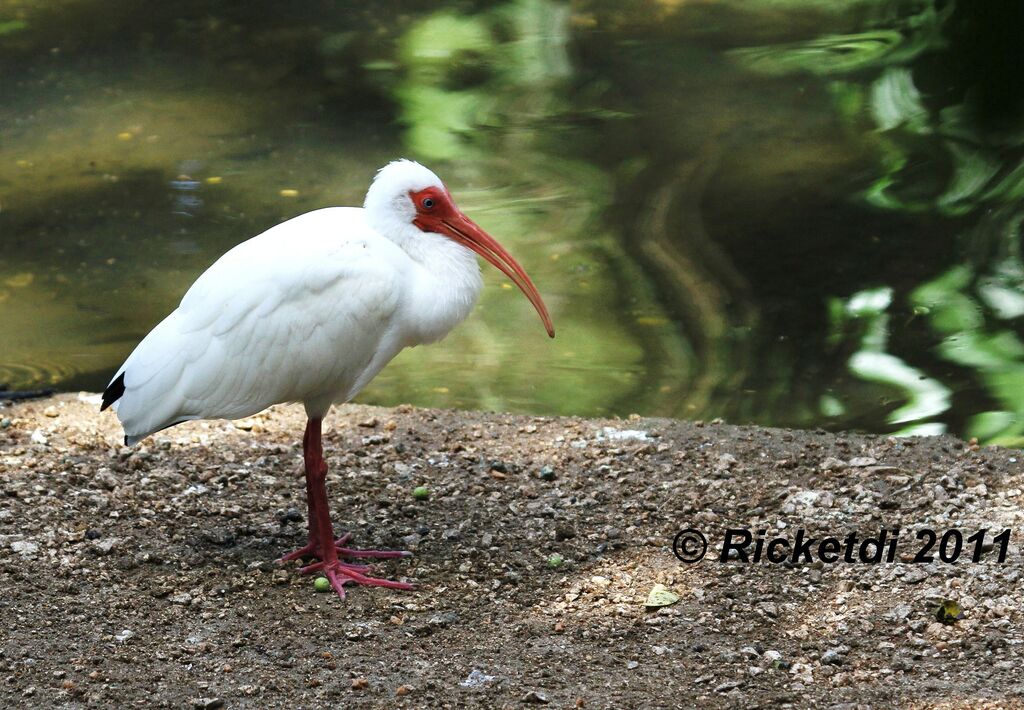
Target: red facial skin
(437, 213)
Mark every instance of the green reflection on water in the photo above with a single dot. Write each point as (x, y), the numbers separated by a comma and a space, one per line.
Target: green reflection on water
(707, 194)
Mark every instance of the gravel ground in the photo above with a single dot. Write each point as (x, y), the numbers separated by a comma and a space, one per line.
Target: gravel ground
(145, 577)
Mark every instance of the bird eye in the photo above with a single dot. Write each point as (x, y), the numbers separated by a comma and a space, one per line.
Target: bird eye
(428, 203)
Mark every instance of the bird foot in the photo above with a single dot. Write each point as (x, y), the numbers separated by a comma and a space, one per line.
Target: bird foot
(341, 573)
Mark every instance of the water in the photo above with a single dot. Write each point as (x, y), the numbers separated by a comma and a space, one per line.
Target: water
(783, 212)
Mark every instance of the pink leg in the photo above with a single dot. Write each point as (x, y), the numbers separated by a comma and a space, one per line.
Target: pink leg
(339, 573)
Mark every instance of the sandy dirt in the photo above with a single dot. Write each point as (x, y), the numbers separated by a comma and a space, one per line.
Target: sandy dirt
(146, 577)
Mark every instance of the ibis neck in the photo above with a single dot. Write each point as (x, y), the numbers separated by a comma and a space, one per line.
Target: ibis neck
(446, 285)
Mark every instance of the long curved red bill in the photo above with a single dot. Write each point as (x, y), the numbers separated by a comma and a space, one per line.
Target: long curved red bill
(466, 232)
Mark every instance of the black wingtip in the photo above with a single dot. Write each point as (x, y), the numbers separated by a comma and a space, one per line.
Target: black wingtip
(113, 392)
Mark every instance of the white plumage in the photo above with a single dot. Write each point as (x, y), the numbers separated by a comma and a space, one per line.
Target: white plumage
(310, 311)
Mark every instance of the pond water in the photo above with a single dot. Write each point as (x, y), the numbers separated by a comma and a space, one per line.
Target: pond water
(784, 212)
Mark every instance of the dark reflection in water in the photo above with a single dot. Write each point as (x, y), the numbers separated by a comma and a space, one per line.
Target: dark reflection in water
(790, 212)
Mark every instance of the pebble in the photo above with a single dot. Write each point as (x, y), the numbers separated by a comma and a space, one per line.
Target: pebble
(835, 656)
(831, 463)
(476, 678)
(207, 703)
(915, 575)
(900, 611)
(25, 548)
(444, 619)
(725, 462)
(564, 532)
(535, 696)
(51, 411)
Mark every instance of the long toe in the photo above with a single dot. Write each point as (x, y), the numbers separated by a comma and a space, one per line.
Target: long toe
(379, 554)
(340, 573)
(310, 550)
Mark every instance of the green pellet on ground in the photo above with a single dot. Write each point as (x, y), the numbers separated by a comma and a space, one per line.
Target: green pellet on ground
(421, 493)
(555, 561)
(322, 584)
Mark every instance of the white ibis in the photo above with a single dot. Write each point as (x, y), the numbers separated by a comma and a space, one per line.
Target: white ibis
(310, 311)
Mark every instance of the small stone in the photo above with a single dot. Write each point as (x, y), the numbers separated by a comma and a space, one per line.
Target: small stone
(899, 612)
(183, 598)
(369, 423)
(546, 473)
(5, 422)
(727, 686)
(660, 596)
(404, 690)
(564, 532)
(915, 576)
(535, 696)
(124, 635)
(359, 683)
(38, 437)
(444, 619)
(476, 678)
(835, 656)
(725, 462)
(105, 546)
(106, 478)
(632, 665)
(51, 411)
(207, 703)
(24, 548)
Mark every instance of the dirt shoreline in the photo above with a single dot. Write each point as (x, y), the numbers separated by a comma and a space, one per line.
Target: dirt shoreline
(145, 577)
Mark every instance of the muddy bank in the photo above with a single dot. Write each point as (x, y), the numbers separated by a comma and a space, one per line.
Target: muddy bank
(145, 577)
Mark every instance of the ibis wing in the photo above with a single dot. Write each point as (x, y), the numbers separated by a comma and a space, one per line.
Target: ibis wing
(296, 314)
